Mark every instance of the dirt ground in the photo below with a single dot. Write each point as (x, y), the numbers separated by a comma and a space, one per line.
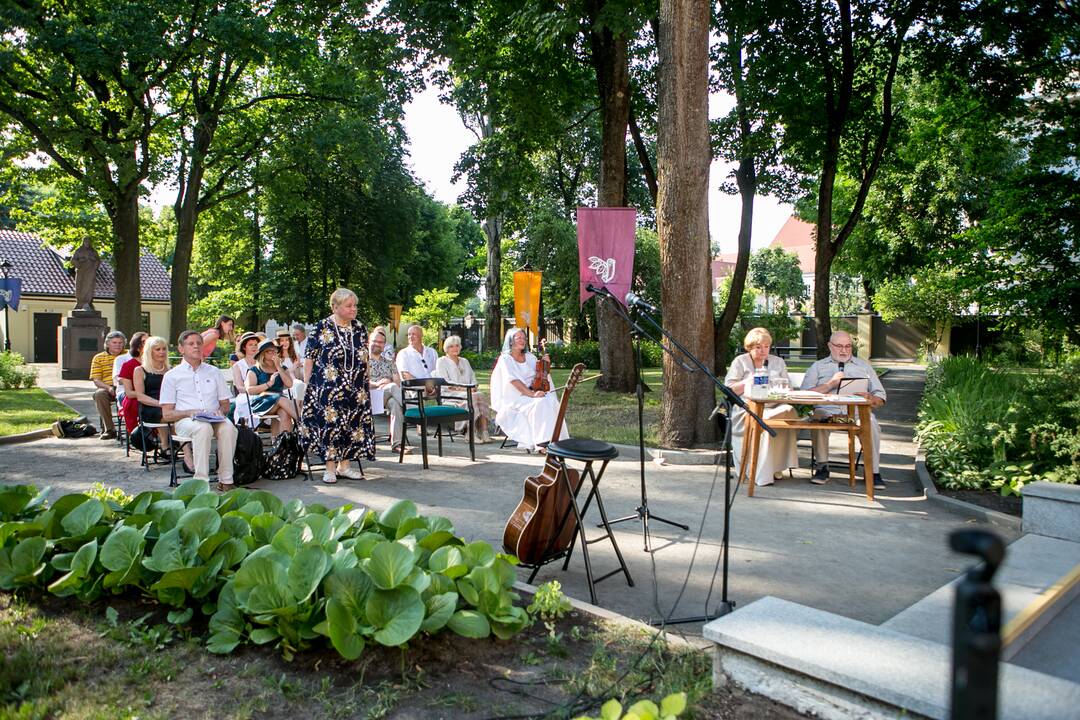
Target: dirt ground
(60, 659)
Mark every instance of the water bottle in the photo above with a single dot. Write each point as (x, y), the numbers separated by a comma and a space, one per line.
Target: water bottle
(760, 388)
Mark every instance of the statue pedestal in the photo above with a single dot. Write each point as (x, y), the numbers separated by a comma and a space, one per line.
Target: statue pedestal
(81, 337)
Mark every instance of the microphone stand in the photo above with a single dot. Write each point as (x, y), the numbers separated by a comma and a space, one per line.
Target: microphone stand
(730, 399)
(642, 512)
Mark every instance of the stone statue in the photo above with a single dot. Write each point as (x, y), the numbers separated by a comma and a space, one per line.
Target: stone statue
(85, 261)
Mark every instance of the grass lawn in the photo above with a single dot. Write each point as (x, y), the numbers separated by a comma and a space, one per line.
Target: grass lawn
(30, 409)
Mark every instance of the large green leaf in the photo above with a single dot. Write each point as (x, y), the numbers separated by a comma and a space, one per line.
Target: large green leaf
(306, 571)
(469, 623)
(449, 561)
(437, 523)
(289, 538)
(236, 526)
(201, 522)
(19, 529)
(26, 558)
(389, 565)
(182, 578)
(190, 488)
(320, 528)
(269, 502)
(78, 571)
(122, 548)
(209, 545)
(365, 543)
(396, 615)
(341, 626)
(412, 526)
(264, 526)
(13, 498)
(439, 608)
(397, 513)
(350, 587)
(268, 600)
(261, 636)
(172, 551)
(227, 624)
(79, 521)
(478, 554)
(437, 539)
(232, 552)
(258, 570)
(207, 500)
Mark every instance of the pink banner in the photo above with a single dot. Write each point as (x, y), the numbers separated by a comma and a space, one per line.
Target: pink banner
(606, 249)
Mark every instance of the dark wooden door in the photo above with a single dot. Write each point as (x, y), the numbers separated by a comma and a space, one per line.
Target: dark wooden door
(45, 327)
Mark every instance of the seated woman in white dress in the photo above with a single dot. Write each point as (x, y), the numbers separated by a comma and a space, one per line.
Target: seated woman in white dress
(457, 370)
(526, 416)
(775, 454)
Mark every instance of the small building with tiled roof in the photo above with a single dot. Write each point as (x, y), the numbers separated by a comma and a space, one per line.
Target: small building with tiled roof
(48, 294)
(797, 236)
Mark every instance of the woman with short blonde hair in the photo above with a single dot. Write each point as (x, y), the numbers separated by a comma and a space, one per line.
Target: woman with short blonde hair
(775, 454)
(458, 371)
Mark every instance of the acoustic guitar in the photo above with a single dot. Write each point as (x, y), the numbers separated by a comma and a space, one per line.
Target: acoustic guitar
(532, 533)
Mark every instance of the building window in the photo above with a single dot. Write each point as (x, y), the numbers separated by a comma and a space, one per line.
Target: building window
(145, 324)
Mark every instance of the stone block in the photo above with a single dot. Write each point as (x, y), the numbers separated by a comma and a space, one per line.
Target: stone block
(1052, 509)
(81, 337)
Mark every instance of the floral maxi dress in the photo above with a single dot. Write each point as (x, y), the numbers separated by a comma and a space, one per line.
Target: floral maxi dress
(337, 422)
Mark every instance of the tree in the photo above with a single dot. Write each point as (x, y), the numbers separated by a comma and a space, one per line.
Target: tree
(683, 158)
(775, 272)
(930, 301)
(86, 85)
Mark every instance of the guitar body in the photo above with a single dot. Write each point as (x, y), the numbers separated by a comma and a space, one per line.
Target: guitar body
(532, 533)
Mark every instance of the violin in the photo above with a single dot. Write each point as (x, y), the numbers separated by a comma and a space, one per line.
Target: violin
(543, 369)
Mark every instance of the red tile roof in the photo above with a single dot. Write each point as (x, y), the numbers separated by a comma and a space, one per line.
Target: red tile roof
(44, 270)
(798, 237)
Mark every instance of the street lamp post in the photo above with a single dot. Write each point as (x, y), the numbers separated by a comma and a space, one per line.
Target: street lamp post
(5, 267)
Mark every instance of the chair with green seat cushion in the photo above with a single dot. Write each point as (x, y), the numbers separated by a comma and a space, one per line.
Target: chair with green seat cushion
(426, 410)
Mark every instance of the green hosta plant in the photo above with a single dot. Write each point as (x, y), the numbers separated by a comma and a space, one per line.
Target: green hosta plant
(266, 571)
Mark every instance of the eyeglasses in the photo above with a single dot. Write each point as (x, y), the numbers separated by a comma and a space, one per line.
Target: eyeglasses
(841, 347)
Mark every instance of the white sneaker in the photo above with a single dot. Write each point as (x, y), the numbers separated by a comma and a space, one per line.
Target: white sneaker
(351, 473)
(329, 477)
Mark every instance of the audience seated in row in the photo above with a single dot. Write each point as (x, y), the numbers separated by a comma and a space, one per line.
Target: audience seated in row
(103, 375)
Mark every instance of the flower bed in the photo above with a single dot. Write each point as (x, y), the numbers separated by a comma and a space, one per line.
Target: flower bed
(989, 429)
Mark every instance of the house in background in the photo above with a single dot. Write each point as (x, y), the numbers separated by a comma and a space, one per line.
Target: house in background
(48, 294)
(797, 237)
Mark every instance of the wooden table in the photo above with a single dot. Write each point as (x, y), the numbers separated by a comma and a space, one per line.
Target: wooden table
(861, 430)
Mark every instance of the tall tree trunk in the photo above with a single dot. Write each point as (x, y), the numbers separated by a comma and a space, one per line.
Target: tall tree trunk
(682, 215)
(493, 284)
(256, 251)
(746, 179)
(124, 217)
(609, 58)
(186, 212)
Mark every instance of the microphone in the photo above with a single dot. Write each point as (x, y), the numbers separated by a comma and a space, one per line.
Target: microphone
(841, 365)
(765, 363)
(632, 300)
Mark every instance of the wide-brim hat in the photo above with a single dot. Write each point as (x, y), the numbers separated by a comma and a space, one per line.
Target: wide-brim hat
(283, 332)
(245, 337)
(264, 345)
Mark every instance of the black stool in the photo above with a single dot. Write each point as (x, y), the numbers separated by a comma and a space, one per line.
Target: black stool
(588, 452)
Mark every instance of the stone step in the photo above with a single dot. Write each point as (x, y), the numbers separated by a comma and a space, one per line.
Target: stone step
(835, 667)
(1032, 565)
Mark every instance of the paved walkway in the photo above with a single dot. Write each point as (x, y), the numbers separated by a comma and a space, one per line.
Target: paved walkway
(826, 547)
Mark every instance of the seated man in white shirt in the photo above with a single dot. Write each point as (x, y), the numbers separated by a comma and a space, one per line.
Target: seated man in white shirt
(195, 388)
(824, 376)
(415, 361)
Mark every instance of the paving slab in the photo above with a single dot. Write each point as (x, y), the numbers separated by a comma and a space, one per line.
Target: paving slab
(826, 547)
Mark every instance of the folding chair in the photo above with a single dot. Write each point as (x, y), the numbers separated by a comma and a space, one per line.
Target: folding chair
(438, 415)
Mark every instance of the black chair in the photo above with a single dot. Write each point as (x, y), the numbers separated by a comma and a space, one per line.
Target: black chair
(419, 412)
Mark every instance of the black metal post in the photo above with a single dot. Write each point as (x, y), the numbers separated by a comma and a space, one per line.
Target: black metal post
(976, 628)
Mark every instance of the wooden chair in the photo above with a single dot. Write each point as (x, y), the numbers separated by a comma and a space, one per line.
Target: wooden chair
(419, 413)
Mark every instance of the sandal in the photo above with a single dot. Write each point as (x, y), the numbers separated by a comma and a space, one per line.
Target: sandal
(329, 478)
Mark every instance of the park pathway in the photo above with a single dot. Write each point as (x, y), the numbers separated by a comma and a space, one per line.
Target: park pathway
(826, 547)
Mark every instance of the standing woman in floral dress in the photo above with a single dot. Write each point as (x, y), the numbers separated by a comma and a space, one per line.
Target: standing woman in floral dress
(337, 421)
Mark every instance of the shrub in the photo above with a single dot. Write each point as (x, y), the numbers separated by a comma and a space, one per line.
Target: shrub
(265, 571)
(15, 373)
(570, 354)
(986, 428)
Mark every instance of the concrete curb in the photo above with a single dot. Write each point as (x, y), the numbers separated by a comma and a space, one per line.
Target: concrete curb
(607, 615)
(38, 434)
(960, 507)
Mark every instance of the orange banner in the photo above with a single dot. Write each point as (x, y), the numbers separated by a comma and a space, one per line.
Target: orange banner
(527, 300)
(395, 317)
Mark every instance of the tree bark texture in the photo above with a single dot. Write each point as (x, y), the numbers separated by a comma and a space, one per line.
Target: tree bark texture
(124, 216)
(609, 59)
(683, 157)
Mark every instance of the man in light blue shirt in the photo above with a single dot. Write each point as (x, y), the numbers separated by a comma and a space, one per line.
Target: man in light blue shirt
(824, 376)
